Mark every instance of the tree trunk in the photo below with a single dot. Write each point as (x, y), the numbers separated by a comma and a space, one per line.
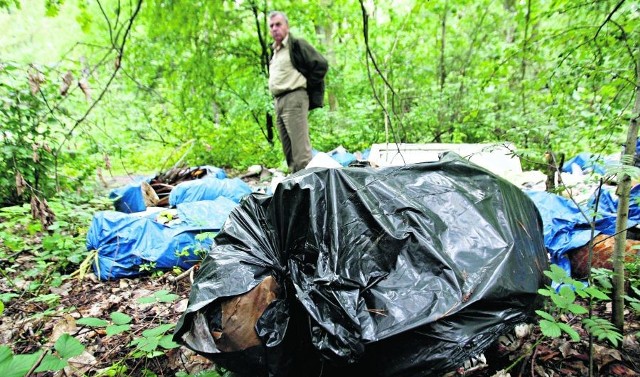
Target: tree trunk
(550, 170)
(523, 64)
(325, 31)
(624, 188)
(442, 74)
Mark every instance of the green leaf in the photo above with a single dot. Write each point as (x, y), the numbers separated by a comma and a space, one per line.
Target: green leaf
(16, 365)
(160, 330)
(51, 363)
(561, 301)
(569, 330)
(155, 353)
(577, 309)
(161, 292)
(120, 318)
(5, 354)
(1, 307)
(168, 298)
(567, 293)
(614, 338)
(602, 329)
(545, 315)
(557, 274)
(545, 292)
(92, 321)
(167, 342)
(6, 297)
(117, 329)
(550, 329)
(596, 293)
(68, 346)
(50, 298)
(146, 300)
(147, 344)
(159, 296)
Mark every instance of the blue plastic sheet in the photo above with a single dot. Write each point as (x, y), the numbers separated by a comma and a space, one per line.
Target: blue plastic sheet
(129, 199)
(589, 162)
(365, 154)
(213, 171)
(209, 188)
(205, 214)
(125, 242)
(566, 228)
(608, 210)
(343, 157)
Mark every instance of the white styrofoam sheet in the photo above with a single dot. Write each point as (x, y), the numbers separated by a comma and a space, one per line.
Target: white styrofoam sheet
(497, 158)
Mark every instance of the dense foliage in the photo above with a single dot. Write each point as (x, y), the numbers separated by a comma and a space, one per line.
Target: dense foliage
(191, 83)
(90, 88)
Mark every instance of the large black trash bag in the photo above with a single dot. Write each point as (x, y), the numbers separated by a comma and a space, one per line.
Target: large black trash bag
(398, 271)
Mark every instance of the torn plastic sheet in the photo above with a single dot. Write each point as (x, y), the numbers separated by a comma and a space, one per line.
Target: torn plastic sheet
(395, 271)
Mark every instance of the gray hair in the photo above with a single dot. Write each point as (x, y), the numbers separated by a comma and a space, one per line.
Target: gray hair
(278, 13)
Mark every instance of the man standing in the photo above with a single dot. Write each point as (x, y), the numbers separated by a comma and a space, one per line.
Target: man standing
(296, 80)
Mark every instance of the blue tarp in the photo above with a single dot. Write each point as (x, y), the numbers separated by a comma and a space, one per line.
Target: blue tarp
(586, 162)
(125, 242)
(209, 188)
(129, 199)
(566, 228)
(608, 209)
(343, 157)
(596, 163)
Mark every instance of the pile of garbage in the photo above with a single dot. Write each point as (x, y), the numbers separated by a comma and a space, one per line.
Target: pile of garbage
(162, 222)
(385, 272)
(344, 268)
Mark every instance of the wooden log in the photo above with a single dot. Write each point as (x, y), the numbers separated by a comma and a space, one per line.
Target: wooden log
(602, 253)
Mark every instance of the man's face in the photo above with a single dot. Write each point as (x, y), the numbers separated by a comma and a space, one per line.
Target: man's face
(278, 28)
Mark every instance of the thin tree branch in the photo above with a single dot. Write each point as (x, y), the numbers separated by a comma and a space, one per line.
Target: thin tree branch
(365, 31)
(120, 50)
(615, 9)
(104, 14)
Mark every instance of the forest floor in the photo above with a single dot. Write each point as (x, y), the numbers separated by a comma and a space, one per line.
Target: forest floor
(30, 325)
(24, 326)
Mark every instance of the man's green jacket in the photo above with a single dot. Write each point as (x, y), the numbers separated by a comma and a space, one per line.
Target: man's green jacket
(313, 67)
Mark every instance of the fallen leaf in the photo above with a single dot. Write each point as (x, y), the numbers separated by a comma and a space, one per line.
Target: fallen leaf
(84, 85)
(67, 79)
(21, 184)
(80, 365)
(35, 79)
(65, 325)
(630, 342)
(617, 369)
(605, 355)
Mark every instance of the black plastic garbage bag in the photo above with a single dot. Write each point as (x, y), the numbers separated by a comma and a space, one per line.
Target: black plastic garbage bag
(398, 271)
